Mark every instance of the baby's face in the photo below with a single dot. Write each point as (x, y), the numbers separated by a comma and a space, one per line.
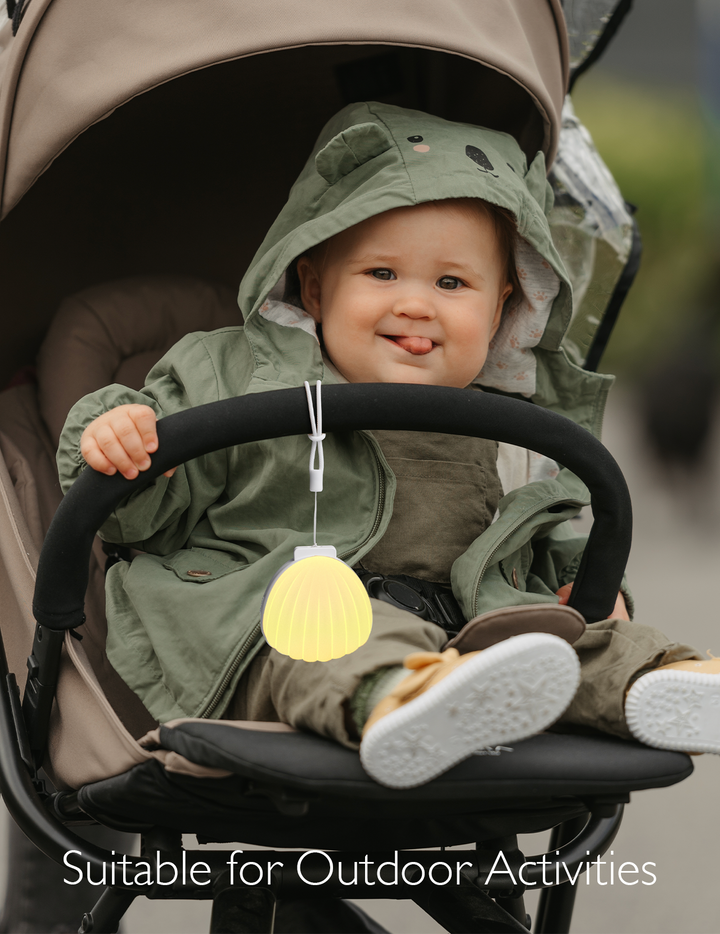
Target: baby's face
(410, 296)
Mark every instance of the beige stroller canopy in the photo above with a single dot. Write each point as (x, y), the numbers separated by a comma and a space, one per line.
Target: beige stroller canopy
(164, 137)
(75, 61)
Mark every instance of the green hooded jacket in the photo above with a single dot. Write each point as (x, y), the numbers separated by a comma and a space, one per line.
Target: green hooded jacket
(181, 640)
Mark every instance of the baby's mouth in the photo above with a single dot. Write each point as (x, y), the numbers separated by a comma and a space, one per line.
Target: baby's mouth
(414, 345)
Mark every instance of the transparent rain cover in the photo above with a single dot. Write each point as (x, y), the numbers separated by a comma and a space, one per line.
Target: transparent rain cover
(586, 21)
(592, 229)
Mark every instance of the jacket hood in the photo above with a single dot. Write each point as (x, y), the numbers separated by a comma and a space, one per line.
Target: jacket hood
(371, 158)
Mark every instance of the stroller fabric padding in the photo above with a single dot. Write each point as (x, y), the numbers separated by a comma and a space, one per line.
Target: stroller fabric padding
(107, 332)
(117, 331)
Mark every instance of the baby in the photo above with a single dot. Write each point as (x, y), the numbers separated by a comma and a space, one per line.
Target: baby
(401, 254)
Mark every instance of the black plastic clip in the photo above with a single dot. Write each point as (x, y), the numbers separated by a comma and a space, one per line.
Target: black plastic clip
(43, 667)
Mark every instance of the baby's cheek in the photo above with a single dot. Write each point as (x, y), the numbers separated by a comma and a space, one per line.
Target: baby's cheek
(343, 346)
(470, 356)
(476, 336)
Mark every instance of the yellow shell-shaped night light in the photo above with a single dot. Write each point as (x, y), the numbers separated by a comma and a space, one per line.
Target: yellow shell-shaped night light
(316, 608)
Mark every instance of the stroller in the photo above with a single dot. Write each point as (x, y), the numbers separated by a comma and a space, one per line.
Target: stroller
(133, 137)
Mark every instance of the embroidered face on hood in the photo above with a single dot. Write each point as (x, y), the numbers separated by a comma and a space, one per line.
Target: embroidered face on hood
(372, 158)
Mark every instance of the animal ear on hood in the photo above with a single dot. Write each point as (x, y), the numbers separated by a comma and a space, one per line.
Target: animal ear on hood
(350, 149)
(538, 185)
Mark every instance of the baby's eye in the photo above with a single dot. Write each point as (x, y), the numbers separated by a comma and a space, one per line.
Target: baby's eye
(449, 282)
(385, 274)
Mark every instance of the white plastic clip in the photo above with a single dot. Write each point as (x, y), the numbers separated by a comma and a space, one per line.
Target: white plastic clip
(317, 437)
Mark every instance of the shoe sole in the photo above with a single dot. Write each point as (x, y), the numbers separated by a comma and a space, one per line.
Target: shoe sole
(677, 710)
(508, 692)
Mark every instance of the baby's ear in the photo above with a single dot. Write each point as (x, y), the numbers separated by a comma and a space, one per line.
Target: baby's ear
(309, 287)
(538, 185)
(350, 149)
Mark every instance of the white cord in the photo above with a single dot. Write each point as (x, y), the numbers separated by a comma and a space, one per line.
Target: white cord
(317, 437)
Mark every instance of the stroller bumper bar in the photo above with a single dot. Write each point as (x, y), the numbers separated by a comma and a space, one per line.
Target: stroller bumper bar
(62, 576)
(62, 572)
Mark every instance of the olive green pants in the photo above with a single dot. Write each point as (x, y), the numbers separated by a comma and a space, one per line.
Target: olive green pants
(315, 696)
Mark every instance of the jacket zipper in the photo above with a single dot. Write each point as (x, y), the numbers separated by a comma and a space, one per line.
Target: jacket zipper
(256, 631)
(231, 672)
(521, 520)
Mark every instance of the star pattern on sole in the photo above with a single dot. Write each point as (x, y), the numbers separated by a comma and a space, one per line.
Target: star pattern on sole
(677, 710)
(504, 694)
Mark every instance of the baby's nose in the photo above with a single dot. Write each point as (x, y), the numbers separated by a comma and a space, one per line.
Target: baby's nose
(414, 305)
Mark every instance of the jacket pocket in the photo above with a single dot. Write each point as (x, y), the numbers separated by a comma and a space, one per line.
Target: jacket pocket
(201, 565)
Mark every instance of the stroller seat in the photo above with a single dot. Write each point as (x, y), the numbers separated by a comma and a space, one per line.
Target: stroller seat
(289, 788)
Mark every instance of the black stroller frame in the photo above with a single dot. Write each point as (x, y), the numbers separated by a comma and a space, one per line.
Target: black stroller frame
(295, 790)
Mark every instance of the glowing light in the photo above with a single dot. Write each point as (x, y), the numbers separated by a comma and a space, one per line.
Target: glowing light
(316, 608)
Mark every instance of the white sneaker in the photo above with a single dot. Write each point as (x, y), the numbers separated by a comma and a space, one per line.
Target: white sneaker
(501, 694)
(677, 707)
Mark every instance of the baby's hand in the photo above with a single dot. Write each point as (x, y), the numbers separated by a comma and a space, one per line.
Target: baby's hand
(619, 611)
(122, 439)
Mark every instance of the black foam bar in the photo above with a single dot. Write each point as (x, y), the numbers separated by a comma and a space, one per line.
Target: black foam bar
(63, 570)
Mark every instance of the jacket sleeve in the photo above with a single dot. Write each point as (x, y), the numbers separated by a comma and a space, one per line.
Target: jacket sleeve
(557, 557)
(160, 518)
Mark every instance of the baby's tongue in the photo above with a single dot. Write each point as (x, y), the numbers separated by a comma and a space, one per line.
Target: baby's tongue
(416, 345)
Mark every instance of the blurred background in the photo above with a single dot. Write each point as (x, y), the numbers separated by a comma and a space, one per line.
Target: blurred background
(652, 104)
(643, 103)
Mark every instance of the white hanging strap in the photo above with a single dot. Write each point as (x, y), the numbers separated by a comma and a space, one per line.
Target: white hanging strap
(317, 437)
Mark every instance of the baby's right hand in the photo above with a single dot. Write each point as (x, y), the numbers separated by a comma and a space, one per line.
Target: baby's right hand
(122, 439)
